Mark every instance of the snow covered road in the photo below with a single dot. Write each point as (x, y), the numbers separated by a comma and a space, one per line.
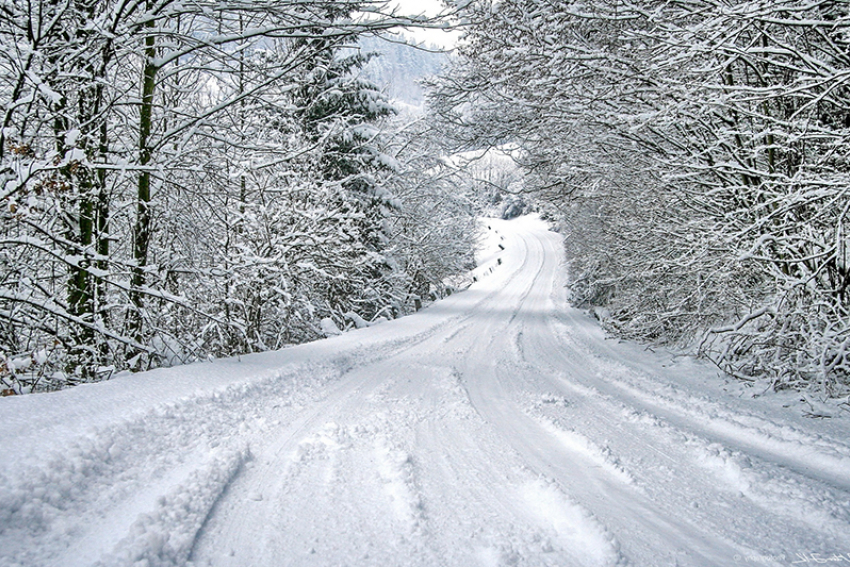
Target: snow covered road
(496, 427)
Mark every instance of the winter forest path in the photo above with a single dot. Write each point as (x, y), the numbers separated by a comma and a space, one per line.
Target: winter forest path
(497, 427)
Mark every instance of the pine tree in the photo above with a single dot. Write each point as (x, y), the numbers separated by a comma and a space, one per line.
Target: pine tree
(340, 114)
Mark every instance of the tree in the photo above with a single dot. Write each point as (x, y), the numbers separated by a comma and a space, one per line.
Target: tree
(113, 117)
(693, 149)
(340, 113)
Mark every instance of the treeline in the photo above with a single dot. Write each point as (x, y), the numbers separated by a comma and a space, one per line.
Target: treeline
(699, 154)
(400, 69)
(185, 179)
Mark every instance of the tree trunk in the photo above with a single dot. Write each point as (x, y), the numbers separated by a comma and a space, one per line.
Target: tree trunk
(142, 227)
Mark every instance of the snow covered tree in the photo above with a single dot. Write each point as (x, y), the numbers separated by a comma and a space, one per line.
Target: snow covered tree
(696, 153)
(771, 178)
(401, 67)
(340, 113)
(132, 152)
(57, 99)
(432, 229)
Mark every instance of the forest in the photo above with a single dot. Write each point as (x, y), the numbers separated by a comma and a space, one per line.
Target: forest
(696, 153)
(182, 180)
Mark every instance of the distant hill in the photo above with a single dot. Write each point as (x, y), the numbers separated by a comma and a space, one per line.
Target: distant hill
(400, 68)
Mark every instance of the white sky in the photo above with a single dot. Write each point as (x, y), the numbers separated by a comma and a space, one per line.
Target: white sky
(428, 8)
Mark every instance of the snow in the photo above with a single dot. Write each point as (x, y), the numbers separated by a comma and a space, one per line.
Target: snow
(329, 328)
(358, 321)
(495, 427)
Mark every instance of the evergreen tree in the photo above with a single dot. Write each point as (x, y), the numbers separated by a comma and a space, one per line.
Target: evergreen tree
(341, 113)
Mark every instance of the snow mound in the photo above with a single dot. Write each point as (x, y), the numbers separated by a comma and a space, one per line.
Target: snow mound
(573, 528)
(329, 328)
(165, 537)
(395, 467)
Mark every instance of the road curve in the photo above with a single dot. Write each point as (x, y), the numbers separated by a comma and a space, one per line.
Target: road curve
(497, 427)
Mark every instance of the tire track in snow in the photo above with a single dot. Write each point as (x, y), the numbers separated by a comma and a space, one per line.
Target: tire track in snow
(497, 389)
(166, 536)
(773, 475)
(512, 517)
(583, 447)
(729, 476)
(112, 473)
(780, 492)
(816, 456)
(555, 530)
(573, 527)
(779, 480)
(396, 470)
(487, 433)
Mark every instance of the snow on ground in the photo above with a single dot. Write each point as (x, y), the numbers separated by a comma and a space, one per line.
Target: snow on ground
(496, 427)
